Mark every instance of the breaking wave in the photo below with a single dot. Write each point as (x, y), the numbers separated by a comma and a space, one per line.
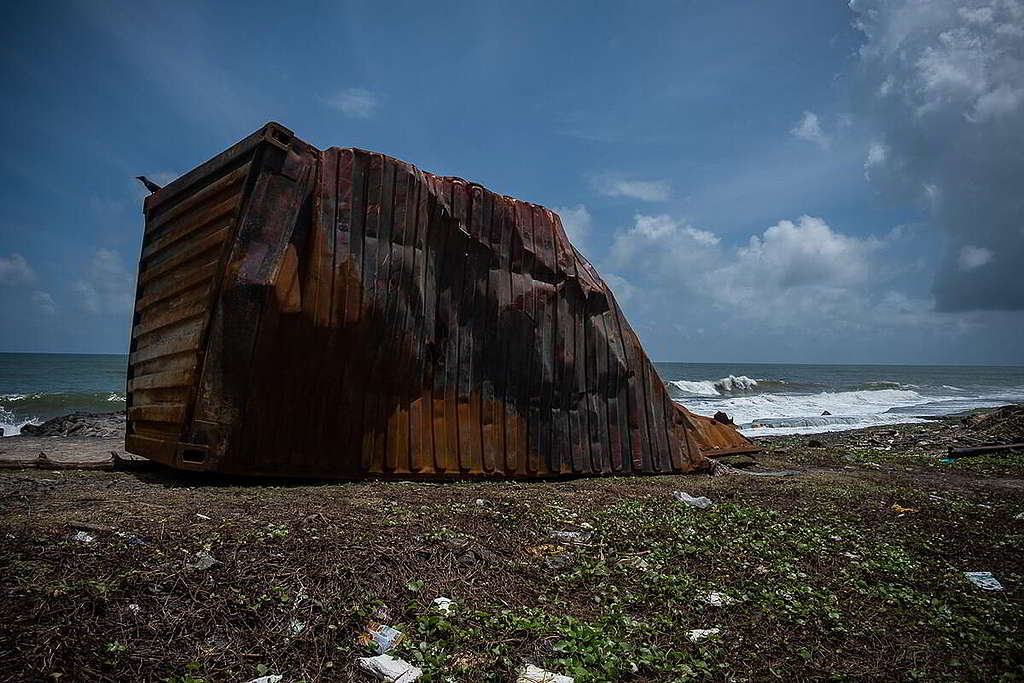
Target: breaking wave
(17, 410)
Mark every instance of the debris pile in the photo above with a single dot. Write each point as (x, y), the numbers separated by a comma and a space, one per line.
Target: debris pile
(102, 425)
(1002, 425)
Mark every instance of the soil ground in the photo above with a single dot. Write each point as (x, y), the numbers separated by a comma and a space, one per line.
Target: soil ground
(851, 569)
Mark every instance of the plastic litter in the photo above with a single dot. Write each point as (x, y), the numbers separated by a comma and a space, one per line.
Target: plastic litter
(535, 674)
(577, 537)
(273, 678)
(698, 502)
(984, 580)
(482, 501)
(202, 562)
(83, 537)
(716, 599)
(384, 638)
(699, 634)
(443, 604)
(296, 626)
(899, 508)
(387, 668)
(1019, 515)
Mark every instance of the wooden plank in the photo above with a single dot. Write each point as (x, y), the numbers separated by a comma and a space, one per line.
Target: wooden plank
(395, 367)
(439, 268)
(159, 349)
(160, 380)
(421, 438)
(195, 253)
(371, 264)
(188, 228)
(491, 362)
(158, 413)
(352, 178)
(468, 431)
(166, 315)
(175, 284)
(546, 303)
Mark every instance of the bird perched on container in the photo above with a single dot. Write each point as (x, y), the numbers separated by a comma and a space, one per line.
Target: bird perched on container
(150, 185)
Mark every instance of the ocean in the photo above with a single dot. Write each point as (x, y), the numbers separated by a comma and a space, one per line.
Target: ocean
(762, 398)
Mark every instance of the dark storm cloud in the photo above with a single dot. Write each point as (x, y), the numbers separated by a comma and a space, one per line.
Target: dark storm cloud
(943, 82)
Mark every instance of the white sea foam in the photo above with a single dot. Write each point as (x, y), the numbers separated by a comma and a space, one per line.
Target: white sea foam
(726, 385)
(11, 424)
(116, 397)
(802, 413)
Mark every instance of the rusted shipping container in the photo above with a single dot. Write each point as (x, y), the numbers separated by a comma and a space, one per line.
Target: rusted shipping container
(340, 313)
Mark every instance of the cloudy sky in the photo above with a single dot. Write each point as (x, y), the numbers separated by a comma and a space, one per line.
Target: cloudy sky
(802, 181)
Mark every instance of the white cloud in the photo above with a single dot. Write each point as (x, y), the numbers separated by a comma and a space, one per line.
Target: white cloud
(15, 271)
(645, 190)
(662, 245)
(809, 128)
(979, 15)
(577, 223)
(952, 72)
(622, 288)
(108, 287)
(356, 102)
(972, 257)
(875, 158)
(792, 275)
(44, 302)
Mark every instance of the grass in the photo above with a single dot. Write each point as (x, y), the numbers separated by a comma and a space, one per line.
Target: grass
(836, 574)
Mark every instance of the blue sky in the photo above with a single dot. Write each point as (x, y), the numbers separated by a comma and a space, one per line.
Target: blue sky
(795, 181)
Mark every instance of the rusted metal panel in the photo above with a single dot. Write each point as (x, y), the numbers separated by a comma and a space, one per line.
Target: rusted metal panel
(341, 313)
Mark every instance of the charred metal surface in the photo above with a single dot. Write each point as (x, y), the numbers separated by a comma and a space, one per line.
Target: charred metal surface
(341, 313)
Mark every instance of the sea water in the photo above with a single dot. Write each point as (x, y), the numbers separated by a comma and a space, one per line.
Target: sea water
(761, 398)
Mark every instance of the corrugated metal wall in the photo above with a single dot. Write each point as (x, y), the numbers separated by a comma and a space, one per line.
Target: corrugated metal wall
(375, 319)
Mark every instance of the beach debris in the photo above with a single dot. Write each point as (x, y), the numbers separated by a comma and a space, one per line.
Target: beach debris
(201, 516)
(296, 626)
(383, 638)
(444, 604)
(984, 580)
(776, 473)
(697, 502)
(83, 537)
(1019, 515)
(636, 562)
(572, 537)
(129, 539)
(272, 678)
(699, 634)
(716, 599)
(535, 674)
(546, 549)
(899, 508)
(390, 669)
(482, 501)
(202, 562)
(90, 526)
(134, 609)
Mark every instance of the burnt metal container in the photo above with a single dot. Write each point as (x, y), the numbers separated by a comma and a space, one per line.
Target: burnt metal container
(341, 313)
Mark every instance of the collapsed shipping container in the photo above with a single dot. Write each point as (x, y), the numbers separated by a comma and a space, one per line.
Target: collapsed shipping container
(340, 313)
